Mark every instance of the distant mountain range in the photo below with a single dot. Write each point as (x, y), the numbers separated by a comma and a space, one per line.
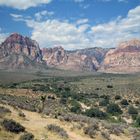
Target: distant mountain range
(19, 52)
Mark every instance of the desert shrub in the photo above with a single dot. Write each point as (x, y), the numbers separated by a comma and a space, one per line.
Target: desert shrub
(63, 101)
(57, 129)
(137, 123)
(91, 130)
(106, 135)
(118, 97)
(109, 86)
(114, 109)
(27, 136)
(12, 126)
(77, 118)
(22, 102)
(116, 129)
(132, 110)
(95, 112)
(95, 95)
(104, 96)
(21, 114)
(137, 102)
(104, 102)
(4, 110)
(124, 102)
(75, 107)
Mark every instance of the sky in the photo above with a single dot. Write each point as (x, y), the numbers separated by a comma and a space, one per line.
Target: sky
(72, 24)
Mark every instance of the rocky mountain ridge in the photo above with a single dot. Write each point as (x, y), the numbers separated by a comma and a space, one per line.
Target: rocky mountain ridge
(124, 58)
(21, 52)
(18, 51)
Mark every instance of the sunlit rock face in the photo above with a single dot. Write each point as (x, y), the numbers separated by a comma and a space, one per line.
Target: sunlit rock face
(124, 58)
(18, 51)
(78, 60)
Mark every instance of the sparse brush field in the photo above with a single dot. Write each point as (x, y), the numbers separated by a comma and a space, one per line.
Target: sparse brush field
(60, 105)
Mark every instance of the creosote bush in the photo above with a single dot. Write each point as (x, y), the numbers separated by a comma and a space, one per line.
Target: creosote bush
(12, 126)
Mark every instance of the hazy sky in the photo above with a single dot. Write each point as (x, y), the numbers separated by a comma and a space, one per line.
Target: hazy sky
(73, 24)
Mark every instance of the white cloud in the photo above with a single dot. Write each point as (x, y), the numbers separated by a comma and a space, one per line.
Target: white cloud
(43, 13)
(80, 34)
(23, 4)
(54, 32)
(109, 34)
(82, 21)
(16, 15)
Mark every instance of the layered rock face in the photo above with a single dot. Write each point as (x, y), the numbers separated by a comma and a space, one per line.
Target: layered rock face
(125, 58)
(19, 52)
(78, 60)
(54, 56)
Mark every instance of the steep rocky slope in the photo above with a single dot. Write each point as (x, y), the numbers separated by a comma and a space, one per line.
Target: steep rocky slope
(124, 58)
(79, 60)
(18, 51)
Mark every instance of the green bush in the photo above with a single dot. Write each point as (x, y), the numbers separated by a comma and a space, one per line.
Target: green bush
(27, 136)
(95, 112)
(114, 109)
(12, 126)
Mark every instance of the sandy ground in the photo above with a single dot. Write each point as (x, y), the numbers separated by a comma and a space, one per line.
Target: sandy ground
(36, 123)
